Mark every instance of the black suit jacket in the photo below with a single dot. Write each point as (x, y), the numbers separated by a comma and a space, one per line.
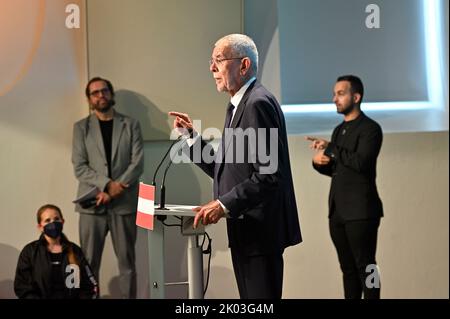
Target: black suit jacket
(353, 192)
(266, 202)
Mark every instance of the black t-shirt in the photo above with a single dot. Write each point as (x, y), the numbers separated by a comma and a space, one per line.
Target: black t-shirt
(106, 127)
(57, 283)
(344, 130)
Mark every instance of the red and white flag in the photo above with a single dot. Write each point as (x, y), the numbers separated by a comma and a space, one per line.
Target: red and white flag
(146, 206)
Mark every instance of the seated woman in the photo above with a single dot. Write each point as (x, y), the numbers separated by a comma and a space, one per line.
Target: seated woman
(52, 267)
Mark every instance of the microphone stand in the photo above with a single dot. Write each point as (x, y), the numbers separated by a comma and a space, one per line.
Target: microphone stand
(162, 160)
(163, 184)
(163, 217)
(163, 188)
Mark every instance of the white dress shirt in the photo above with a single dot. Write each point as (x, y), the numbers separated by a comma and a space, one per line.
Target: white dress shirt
(235, 100)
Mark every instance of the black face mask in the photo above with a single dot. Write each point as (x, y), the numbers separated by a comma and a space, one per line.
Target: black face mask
(53, 230)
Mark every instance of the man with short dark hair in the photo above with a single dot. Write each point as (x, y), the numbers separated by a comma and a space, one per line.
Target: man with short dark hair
(355, 208)
(107, 153)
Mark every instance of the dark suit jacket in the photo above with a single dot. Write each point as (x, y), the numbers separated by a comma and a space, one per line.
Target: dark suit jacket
(353, 193)
(266, 202)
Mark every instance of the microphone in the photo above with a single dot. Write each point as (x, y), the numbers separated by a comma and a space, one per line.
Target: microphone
(163, 187)
(162, 218)
(162, 160)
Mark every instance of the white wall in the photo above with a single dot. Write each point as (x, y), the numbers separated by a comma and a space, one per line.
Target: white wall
(413, 236)
(413, 249)
(40, 99)
(156, 53)
(36, 119)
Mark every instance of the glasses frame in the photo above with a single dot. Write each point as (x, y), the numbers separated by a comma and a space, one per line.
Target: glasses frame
(220, 61)
(96, 93)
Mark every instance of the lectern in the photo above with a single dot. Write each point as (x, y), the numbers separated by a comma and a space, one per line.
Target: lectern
(194, 252)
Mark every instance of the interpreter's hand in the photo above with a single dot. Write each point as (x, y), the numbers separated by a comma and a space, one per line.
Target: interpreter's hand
(102, 199)
(321, 159)
(115, 189)
(182, 122)
(317, 143)
(210, 213)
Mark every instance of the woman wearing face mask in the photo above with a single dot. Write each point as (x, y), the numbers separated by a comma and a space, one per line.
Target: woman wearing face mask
(52, 267)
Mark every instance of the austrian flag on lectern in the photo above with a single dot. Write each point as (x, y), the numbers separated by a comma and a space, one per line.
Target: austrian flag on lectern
(146, 206)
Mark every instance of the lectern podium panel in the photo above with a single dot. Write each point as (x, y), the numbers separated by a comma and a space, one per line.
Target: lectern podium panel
(194, 252)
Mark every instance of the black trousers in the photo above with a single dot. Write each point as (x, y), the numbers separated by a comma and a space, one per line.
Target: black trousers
(258, 277)
(356, 244)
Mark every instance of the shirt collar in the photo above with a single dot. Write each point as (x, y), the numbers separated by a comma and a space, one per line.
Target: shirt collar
(236, 99)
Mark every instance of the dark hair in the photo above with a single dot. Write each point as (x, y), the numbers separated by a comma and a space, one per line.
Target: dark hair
(70, 254)
(43, 208)
(96, 79)
(356, 84)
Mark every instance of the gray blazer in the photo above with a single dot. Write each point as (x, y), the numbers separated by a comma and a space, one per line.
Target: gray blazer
(90, 165)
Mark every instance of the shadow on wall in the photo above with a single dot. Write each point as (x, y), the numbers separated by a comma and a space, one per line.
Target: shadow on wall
(113, 289)
(223, 275)
(219, 237)
(8, 264)
(175, 260)
(141, 248)
(263, 28)
(153, 122)
(185, 184)
(154, 127)
(193, 188)
(219, 274)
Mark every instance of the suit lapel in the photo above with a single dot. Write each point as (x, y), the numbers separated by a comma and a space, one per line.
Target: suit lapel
(238, 115)
(236, 119)
(241, 106)
(118, 126)
(97, 134)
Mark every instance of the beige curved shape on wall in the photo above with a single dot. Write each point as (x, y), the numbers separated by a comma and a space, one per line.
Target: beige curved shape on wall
(18, 7)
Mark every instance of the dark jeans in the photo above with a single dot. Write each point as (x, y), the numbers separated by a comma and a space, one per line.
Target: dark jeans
(258, 277)
(356, 244)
